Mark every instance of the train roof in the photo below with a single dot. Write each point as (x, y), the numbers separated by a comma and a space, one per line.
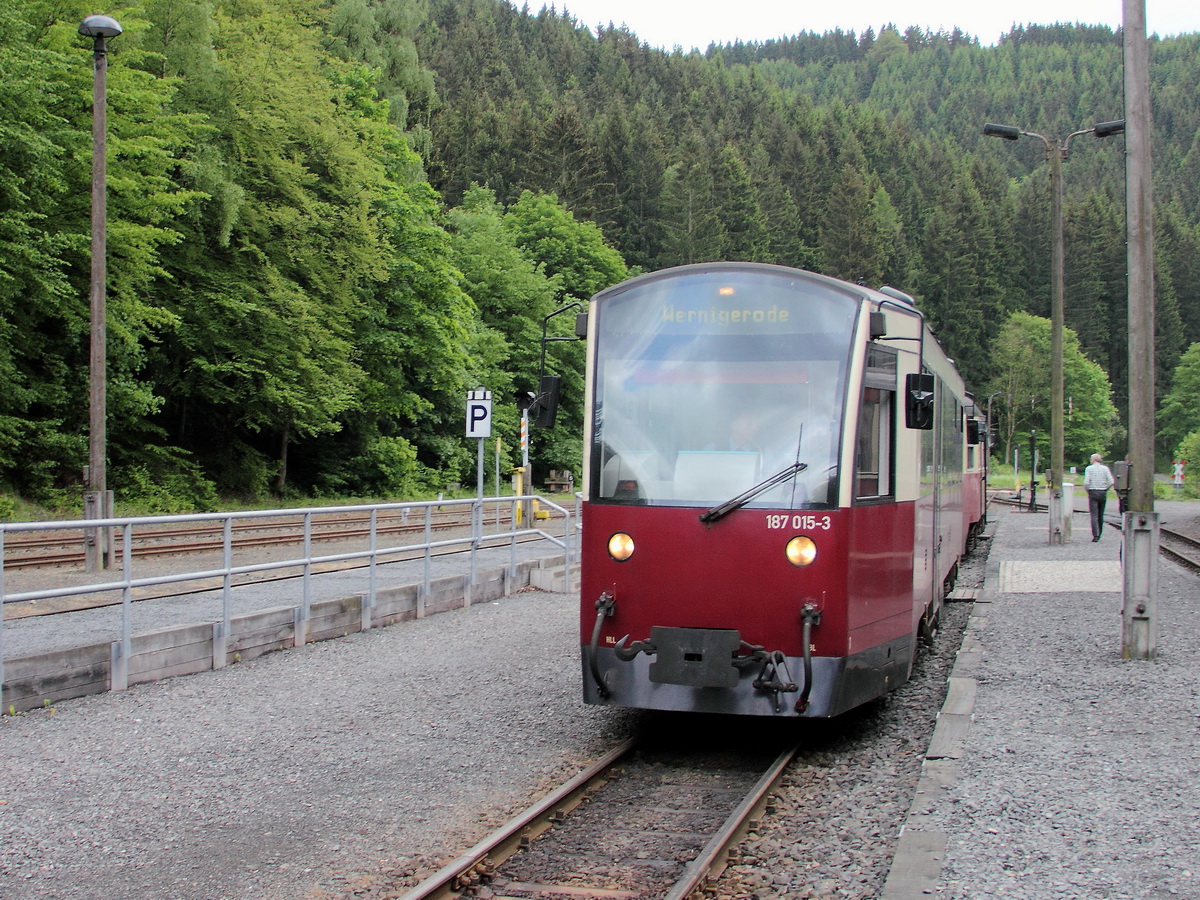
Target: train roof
(885, 295)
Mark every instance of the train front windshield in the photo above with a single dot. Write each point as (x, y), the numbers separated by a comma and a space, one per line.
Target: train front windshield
(708, 383)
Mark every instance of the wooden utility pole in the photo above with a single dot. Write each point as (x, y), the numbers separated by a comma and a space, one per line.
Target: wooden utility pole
(1139, 624)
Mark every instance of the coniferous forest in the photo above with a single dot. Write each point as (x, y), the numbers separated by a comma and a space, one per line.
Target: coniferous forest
(329, 219)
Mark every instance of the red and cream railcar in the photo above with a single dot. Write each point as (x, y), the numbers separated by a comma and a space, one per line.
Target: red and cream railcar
(774, 491)
(975, 472)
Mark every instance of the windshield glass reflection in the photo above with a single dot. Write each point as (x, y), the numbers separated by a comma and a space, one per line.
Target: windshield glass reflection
(695, 407)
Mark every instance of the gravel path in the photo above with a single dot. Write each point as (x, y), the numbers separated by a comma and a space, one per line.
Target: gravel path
(1080, 776)
(303, 773)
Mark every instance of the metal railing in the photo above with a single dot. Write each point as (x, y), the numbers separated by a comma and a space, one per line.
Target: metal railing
(520, 525)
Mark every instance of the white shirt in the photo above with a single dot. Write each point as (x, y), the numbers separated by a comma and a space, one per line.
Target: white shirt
(1097, 477)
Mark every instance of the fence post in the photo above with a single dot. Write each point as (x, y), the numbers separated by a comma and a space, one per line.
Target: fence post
(118, 674)
(221, 629)
(424, 591)
(120, 661)
(368, 601)
(300, 637)
(2, 561)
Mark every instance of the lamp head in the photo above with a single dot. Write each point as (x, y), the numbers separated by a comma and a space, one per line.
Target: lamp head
(1008, 132)
(1105, 129)
(100, 27)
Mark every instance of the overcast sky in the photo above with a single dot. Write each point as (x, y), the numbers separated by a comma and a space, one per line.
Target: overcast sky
(696, 23)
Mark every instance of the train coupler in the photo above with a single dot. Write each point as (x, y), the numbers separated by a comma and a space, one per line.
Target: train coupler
(774, 678)
(627, 654)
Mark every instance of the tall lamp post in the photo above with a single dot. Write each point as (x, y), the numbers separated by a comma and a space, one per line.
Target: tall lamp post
(97, 503)
(1056, 150)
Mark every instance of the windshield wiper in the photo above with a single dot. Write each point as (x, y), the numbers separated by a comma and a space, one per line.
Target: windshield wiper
(719, 512)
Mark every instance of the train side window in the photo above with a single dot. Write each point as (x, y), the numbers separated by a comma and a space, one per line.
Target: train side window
(874, 456)
(873, 465)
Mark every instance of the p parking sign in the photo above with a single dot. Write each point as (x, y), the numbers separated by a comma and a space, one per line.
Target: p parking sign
(479, 413)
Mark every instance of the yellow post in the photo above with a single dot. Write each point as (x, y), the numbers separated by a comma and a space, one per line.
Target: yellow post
(518, 488)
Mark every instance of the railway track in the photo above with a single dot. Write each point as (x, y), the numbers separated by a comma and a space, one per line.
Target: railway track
(1174, 545)
(1179, 548)
(38, 551)
(648, 820)
(80, 602)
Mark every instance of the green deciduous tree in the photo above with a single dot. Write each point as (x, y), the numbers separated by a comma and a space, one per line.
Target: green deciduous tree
(575, 255)
(1179, 412)
(1022, 361)
(45, 178)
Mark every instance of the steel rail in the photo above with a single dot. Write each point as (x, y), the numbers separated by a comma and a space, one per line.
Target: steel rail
(502, 843)
(1182, 559)
(488, 855)
(713, 858)
(1189, 559)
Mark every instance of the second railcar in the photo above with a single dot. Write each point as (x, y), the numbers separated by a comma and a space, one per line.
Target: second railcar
(774, 491)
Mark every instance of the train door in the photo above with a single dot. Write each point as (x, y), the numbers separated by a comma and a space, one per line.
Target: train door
(937, 475)
(952, 514)
(947, 511)
(926, 515)
(879, 537)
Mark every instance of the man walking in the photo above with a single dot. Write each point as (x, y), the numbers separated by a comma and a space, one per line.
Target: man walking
(1097, 479)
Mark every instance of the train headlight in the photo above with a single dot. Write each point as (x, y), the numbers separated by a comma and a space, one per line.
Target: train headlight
(801, 551)
(620, 546)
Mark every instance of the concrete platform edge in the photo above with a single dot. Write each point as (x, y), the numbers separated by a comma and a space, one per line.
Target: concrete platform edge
(921, 850)
(40, 680)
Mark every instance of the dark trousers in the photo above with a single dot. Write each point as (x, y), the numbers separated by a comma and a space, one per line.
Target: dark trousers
(1096, 500)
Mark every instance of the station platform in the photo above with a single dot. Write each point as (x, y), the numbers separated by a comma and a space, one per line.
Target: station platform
(1059, 769)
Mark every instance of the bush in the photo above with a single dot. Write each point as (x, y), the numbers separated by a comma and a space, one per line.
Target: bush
(160, 480)
(48, 464)
(387, 468)
(1188, 449)
(243, 471)
(175, 493)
